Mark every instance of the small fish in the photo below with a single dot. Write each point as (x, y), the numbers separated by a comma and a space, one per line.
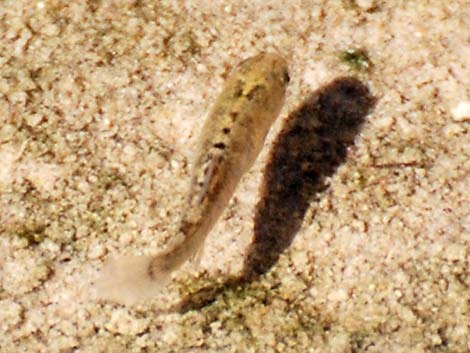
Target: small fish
(230, 141)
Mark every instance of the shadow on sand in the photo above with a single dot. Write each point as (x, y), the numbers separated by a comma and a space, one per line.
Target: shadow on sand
(310, 147)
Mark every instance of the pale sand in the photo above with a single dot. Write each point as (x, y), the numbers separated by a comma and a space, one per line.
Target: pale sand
(99, 108)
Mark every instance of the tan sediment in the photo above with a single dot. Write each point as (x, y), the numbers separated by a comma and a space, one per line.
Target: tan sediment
(100, 103)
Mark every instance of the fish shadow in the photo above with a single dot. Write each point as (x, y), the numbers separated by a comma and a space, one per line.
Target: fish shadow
(310, 147)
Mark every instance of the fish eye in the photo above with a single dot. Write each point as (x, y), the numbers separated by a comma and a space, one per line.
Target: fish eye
(286, 77)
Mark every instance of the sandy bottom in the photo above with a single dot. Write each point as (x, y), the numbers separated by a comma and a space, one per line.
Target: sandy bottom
(353, 237)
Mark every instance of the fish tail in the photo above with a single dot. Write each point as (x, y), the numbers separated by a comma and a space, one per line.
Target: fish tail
(131, 279)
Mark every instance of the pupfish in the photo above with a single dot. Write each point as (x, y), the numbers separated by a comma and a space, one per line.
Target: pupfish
(231, 138)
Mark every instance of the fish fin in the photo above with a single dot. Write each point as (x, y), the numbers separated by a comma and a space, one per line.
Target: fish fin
(203, 182)
(131, 279)
(197, 257)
